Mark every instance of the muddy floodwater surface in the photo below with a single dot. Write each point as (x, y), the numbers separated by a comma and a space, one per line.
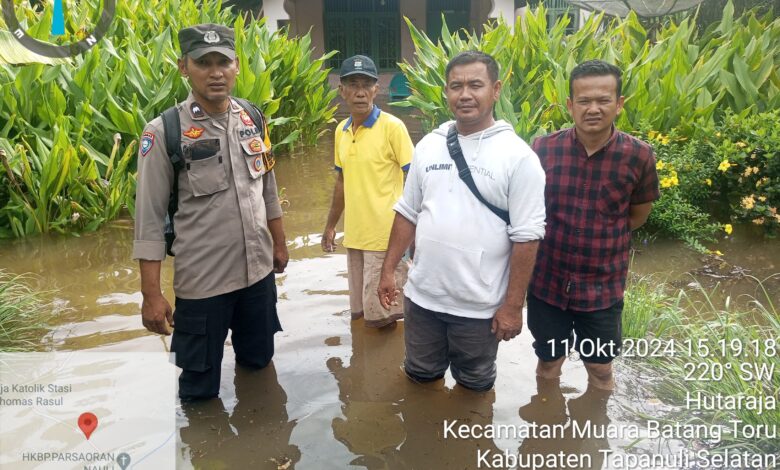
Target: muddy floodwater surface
(334, 395)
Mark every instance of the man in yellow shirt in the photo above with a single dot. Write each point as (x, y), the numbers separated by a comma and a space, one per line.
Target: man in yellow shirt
(373, 150)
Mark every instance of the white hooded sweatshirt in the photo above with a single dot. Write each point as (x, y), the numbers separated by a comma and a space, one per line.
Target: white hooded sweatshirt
(461, 260)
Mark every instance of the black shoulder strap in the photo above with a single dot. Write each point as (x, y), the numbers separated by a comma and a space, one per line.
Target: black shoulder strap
(254, 112)
(465, 174)
(172, 128)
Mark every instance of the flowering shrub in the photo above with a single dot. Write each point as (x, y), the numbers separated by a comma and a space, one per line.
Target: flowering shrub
(685, 179)
(748, 176)
(729, 172)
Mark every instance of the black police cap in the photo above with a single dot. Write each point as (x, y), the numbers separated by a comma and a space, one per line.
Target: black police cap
(197, 41)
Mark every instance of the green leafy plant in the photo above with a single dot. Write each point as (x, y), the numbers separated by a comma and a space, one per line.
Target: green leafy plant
(749, 332)
(680, 79)
(680, 85)
(746, 150)
(64, 170)
(23, 314)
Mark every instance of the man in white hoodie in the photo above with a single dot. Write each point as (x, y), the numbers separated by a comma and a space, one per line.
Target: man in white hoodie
(467, 285)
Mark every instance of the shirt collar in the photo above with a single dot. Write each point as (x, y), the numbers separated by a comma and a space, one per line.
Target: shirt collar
(196, 111)
(369, 122)
(234, 106)
(612, 137)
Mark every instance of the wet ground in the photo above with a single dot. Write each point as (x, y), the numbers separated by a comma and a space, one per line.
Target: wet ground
(334, 396)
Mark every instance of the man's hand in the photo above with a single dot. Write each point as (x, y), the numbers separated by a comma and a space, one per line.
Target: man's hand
(280, 257)
(329, 240)
(387, 291)
(157, 314)
(507, 322)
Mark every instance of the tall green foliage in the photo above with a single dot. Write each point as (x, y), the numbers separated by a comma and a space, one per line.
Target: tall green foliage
(63, 168)
(680, 79)
(680, 89)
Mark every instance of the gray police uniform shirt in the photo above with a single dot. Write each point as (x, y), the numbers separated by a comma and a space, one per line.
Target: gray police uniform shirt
(226, 197)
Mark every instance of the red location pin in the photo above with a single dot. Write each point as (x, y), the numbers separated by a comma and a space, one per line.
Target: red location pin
(87, 423)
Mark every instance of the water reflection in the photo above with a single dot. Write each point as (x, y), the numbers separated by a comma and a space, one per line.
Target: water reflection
(548, 409)
(389, 422)
(256, 434)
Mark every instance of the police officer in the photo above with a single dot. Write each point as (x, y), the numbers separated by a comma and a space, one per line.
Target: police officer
(229, 236)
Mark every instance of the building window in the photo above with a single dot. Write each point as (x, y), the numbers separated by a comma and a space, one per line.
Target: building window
(370, 27)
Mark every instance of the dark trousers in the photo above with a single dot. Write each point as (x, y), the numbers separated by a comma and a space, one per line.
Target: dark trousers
(435, 341)
(201, 327)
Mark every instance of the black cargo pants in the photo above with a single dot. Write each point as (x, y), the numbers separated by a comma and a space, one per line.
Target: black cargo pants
(201, 327)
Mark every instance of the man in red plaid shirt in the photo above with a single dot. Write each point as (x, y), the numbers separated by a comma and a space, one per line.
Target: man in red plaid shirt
(601, 184)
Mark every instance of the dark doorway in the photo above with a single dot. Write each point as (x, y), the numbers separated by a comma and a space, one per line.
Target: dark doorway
(370, 27)
(457, 14)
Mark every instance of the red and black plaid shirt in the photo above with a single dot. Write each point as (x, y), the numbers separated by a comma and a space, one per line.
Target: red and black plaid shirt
(583, 260)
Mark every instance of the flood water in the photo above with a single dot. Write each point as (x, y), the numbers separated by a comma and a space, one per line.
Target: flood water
(334, 396)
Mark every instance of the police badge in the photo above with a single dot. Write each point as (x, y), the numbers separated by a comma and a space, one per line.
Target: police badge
(211, 37)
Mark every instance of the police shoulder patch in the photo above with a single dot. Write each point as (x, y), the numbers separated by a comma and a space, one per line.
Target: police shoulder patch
(147, 142)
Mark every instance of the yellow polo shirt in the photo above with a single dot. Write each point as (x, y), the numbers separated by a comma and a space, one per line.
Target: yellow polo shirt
(372, 160)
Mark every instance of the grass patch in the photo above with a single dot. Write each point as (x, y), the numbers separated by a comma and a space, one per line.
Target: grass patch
(728, 345)
(23, 314)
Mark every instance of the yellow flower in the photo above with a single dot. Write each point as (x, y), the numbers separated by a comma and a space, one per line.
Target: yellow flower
(755, 170)
(762, 198)
(665, 182)
(748, 202)
(741, 145)
(708, 182)
(662, 139)
(659, 165)
(716, 252)
(651, 135)
(758, 221)
(674, 181)
(747, 172)
(724, 166)
(673, 174)
(728, 229)
(762, 182)
(717, 134)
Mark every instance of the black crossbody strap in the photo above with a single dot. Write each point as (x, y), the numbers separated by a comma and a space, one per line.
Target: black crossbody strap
(172, 128)
(465, 174)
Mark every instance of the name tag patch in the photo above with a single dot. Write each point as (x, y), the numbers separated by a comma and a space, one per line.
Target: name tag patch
(248, 132)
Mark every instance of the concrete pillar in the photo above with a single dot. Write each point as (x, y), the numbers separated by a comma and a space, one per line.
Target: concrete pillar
(273, 10)
(505, 8)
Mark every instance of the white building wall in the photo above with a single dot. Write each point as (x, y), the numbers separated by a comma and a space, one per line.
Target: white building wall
(273, 10)
(505, 8)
